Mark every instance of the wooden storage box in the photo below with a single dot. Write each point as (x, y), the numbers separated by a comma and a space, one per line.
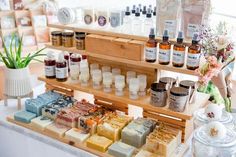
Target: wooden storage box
(116, 47)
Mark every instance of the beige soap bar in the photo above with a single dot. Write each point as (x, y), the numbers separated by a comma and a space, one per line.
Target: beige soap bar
(144, 153)
(109, 131)
(98, 143)
(56, 130)
(41, 123)
(76, 135)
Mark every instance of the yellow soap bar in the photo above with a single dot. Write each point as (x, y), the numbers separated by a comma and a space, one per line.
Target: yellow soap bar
(98, 143)
(109, 131)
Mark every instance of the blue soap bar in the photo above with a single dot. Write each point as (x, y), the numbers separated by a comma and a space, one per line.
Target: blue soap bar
(24, 116)
(49, 97)
(35, 106)
(120, 149)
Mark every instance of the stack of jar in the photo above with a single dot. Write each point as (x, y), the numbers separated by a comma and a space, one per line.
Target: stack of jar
(67, 39)
(166, 89)
(179, 51)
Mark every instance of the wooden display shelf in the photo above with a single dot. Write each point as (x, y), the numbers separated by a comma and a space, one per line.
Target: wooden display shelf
(91, 30)
(178, 153)
(155, 65)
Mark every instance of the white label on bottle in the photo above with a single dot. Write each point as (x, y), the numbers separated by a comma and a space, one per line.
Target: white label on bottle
(170, 25)
(150, 53)
(49, 70)
(192, 28)
(193, 59)
(164, 55)
(74, 63)
(178, 57)
(61, 73)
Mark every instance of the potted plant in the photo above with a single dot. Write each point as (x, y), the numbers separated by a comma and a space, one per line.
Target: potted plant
(16, 72)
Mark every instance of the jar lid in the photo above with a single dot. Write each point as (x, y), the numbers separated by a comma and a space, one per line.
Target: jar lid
(187, 84)
(80, 33)
(158, 87)
(179, 91)
(167, 80)
(200, 115)
(68, 34)
(56, 33)
(201, 135)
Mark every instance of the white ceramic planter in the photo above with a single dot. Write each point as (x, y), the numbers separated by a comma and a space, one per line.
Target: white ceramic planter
(17, 82)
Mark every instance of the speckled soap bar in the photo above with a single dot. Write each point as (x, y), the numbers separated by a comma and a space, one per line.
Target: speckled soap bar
(120, 149)
(24, 116)
(98, 143)
(77, 135)
(41, 122)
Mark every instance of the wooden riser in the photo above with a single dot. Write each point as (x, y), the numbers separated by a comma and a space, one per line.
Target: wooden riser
(82, 145)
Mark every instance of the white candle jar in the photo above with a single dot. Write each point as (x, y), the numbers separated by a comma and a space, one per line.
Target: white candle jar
(142, 84)
(84, 77)
(133, 88)
(129, 75)
(115, 71)
(107, 81)
(97, 78)
(106, 69)
(74, 73)
(119, 85)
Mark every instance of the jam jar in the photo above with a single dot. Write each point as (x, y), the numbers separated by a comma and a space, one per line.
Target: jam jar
(61, 69)
(204, 145)
(158, 94)
(56, 38)
(167, 80)
(187, 84)
(50, 65)
(80, 40)
(200, 118)
(67, 39)
(178, 99)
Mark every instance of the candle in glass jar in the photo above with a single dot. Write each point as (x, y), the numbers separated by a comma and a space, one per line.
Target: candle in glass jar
(142, 84)
(115, 71)
(106, 69)
(119, 84)
(107, 81)
(74, 73)
(97, 78)
(133, 88)
(129, 75)
(84, 76)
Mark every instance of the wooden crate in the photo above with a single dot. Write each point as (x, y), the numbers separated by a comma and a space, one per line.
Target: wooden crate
(116, 47)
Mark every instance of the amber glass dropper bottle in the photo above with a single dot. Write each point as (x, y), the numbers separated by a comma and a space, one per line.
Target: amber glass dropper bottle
(151, 48)
(178, 58)
(164, 49)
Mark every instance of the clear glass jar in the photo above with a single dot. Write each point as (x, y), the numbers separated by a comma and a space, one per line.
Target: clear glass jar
(205, 146)
(200, 118)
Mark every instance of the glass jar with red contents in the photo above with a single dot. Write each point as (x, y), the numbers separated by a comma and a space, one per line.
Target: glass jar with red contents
(67, 58)
(61, 69)
(50, 65)
(75, 60)
(84, 57)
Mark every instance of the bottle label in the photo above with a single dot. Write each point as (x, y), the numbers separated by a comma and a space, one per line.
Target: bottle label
(49, 70)
(178, 57)
(150, 53)
(170, 25)
(192, 28)
(61, 73)
(193, 60)
(164, 55)
(74, 63)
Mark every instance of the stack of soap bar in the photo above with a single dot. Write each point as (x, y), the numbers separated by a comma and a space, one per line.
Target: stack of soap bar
(119, 149)
(77, 135)
(112, 125)
(144, 153)
(56, 130)
(69, 116)
(98, 143)
(163, 140)
(41, 122)
(24, 116)
(53, 109)
(135, 133)
(36, 105)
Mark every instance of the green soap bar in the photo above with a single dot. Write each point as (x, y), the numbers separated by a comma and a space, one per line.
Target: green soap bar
(24, 116)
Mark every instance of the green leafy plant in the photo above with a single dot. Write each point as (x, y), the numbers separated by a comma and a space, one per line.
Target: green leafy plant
(12, 55)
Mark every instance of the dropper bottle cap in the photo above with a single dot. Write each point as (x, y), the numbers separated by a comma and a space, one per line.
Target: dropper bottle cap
(154, 11)
(180, 37)
(133, 9)
(140, 7)
(165, 35)
(61, 57)
(127, 12)
(50, 55)
(144, 10)
(195, 39)
(149, 13)
(137, 13)
(152, 33)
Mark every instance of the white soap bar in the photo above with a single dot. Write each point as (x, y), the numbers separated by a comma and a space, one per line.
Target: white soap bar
(56, 130)
(76, 135)
(144, 153)
(41, 122)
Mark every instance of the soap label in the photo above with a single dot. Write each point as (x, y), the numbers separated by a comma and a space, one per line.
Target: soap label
(177, 103)
(193, 60)
(150, 53)
(88, 19)
(192, 28)
(178, 57)
(164, 55)
(115, 19)
(74, 63)
(50, 70)
(61, 73)
(102, 20)
(170, 25)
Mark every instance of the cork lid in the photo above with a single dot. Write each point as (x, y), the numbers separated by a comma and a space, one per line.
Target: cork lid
(187, 84)
(166, 80)
(56, 33)
(158, 87)
(179, 91)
